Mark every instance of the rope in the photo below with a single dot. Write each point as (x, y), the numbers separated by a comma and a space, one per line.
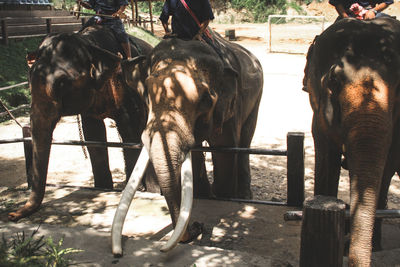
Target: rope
(9, 113)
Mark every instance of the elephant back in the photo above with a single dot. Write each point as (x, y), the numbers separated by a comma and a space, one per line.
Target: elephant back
(104, 37)
(361, 43)
(174, 49)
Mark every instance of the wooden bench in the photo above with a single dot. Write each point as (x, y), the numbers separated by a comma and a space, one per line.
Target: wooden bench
(22, 24)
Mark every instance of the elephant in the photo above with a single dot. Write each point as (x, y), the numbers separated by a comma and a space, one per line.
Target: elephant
(352, 76)
(194, 95)
(79, 73)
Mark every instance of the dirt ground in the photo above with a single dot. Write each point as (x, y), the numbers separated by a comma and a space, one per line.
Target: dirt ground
(284, 108)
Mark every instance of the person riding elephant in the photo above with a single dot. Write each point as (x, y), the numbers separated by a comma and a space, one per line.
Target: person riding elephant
(352, 77)
(114, 8)
(76, 73)
(187, 25)
(360, 9)
(190, 20)
(193, 98)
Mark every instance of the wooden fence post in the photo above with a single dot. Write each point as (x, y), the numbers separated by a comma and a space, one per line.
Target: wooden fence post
(322, 232)
(151, 17)
(136, 12)
(295, 168)
(4, 32)
(48, 26)
(26, 132)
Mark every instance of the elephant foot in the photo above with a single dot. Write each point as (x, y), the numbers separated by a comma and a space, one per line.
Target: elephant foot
(247, 194)
(192, 232)
(23, 212)
(376, 246)
(205, 193)
(107, 186)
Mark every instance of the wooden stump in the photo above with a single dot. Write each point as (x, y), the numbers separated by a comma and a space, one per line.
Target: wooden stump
(322, 232)
(230, 34)
(295, 168)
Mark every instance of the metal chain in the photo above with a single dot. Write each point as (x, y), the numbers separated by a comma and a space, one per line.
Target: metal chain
(84, 149)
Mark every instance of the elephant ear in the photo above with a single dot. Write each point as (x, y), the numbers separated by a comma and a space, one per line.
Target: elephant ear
(135, 72)
(104, 64)
(331, 86)
(227, 93)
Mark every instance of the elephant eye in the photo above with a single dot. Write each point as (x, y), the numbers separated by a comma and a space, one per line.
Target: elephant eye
(335, 82)
(205, 102)
(62, 82)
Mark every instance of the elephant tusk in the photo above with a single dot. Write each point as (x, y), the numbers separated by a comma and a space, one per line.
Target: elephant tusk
(186, 204)
(125, 201)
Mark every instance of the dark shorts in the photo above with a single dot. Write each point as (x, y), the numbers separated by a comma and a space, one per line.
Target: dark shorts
(115, 25)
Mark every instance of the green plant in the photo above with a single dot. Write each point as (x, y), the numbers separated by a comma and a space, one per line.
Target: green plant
(21, 250)
(261, 9)
(33, 251)
(14, 70)
(297, 7)
(156, 7)
(55, 254)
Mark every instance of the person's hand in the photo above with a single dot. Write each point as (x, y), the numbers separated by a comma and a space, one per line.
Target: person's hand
(198, 36)
(370, 14)
(116, 15)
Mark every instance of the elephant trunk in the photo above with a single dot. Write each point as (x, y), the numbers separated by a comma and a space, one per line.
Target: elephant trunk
(367, 142)
(169, 153)
(168, 146)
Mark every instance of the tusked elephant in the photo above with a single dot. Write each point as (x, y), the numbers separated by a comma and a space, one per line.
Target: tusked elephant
(194, 96)
(352, 76)
(77, 73)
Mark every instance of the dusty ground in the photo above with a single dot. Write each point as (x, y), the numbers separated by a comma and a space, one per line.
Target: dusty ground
(284, 108)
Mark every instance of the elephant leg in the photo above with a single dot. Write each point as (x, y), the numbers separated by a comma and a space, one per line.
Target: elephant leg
(225, 164)
(382, 204)
(201, 185)
(42, 127)
(95, 130)
(246, 135)
(129, 134)
(327, 163)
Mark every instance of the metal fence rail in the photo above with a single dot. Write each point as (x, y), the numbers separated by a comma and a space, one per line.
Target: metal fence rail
(258, 151)
(12, 86)
(294, 154)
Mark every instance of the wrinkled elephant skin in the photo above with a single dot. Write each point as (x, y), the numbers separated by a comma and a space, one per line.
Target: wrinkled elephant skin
(192, 97)
(352, 76)
(77, 73)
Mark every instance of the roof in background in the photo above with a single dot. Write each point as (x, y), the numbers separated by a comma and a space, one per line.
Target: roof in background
(25, 2)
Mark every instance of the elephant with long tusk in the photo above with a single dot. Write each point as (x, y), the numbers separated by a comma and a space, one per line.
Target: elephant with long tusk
(129, 193)
(193, 97)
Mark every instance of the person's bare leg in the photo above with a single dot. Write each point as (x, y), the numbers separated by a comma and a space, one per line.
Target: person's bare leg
(127, 50)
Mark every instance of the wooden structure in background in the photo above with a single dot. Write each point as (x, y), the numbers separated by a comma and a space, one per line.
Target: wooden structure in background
(136, 19)
(18, 24)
